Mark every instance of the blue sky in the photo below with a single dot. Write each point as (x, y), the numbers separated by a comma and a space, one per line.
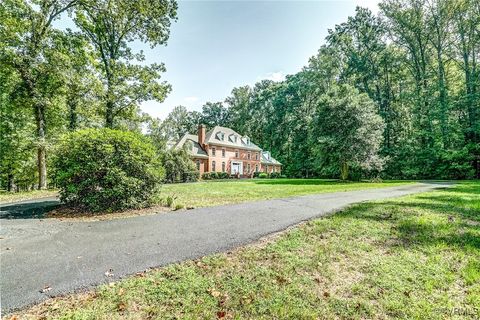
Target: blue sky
(218, 45)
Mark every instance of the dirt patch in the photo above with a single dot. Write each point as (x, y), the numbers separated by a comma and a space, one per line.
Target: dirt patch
(67, 213)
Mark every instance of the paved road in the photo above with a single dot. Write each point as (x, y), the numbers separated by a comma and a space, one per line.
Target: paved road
(69, 256)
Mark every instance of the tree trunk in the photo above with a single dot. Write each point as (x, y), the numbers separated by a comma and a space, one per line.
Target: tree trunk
(10, 182)
(109, 115)
(41, 151)
(73, 118)
(344, 170)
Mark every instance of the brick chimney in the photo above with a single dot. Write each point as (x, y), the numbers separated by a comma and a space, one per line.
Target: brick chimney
(201, 134)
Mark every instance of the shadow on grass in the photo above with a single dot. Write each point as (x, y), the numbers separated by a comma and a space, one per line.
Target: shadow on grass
(300, 181)
(430, 220)
(30, 210)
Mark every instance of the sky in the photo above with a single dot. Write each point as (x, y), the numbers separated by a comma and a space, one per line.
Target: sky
(218, 45)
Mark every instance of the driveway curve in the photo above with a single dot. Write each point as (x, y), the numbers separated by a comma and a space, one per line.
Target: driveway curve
(68, 256)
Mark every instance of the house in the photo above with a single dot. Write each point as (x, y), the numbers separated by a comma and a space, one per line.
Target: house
(224, 150)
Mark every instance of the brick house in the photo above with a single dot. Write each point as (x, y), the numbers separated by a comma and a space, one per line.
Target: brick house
(224, 150)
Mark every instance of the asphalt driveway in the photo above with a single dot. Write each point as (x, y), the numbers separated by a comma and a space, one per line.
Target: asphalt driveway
(67, 256)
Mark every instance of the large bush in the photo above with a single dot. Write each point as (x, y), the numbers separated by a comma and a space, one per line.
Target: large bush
(106, 170)
(179, 167)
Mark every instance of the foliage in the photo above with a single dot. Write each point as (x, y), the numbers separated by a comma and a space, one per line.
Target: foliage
(178, 166)
(33, 52)
(417, 63)
(263, 175)
(274, 175)
(215, 175)
(106, 170)
(347, 131)
(110, 26)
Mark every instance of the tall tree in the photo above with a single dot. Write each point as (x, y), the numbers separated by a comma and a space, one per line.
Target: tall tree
(30, 45)
(214, 114)
(111, 26)
(347, 131)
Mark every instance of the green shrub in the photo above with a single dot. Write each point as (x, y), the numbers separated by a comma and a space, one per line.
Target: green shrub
(263, 175)
(274, 175)
(179, 167)
(106, 170)
(223, 175)
(191, 176)
(215, 175)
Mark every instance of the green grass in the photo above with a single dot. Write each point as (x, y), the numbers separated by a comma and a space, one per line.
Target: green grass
(210, 193)
(415, 257)
(6, 197)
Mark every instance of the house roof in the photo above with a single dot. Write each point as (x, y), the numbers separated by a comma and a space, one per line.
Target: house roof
(195, 150)
(268, 159)
(224, 137)
(227, 137)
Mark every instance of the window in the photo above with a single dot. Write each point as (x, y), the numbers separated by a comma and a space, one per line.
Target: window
(213, 166)
(256, 155)
(236, 153)
(198, 164)
(223, 152)
(223, 166)
(256, 168)
(249, 155)
(248, 167)
(220, 135)
(213, 151)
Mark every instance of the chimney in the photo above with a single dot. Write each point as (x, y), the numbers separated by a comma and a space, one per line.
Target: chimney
(201, 134)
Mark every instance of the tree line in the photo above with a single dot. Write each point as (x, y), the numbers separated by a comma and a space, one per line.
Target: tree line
(416, 61)
(393, 94)
(54, 80)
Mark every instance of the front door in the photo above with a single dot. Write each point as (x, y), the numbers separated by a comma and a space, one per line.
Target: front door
(236, 167)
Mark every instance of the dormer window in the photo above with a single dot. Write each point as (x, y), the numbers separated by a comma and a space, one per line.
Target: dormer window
(220, 135)
(246, 140)
(232, 138)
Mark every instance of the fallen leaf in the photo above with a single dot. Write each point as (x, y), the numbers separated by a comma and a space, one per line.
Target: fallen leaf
(214, 293)
(121, 291)
(112, 284)
(121, 306)
(46, 289)
(326, 294)
(14, 317)
(221, 314)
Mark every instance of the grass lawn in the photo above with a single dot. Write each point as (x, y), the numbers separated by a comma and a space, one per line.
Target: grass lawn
(211, 193)
(411, 257)
(6, 197)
